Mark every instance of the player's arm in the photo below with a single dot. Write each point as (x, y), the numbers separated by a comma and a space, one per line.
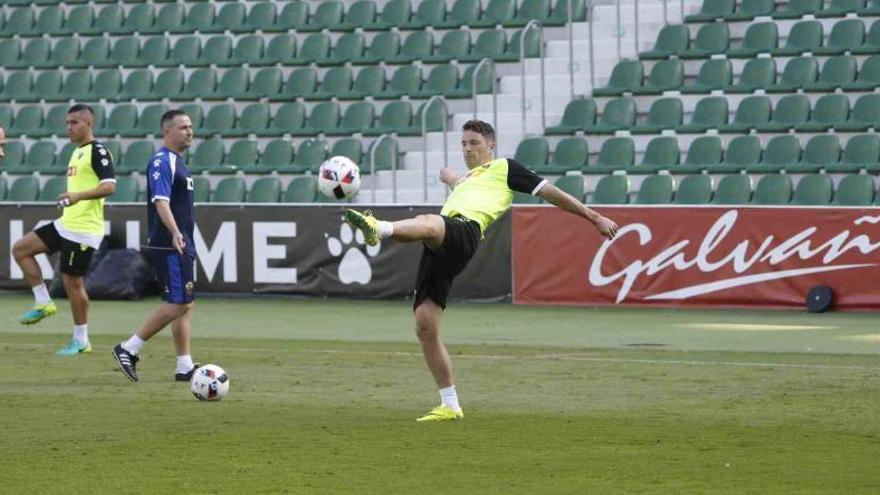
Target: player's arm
(102, 164)
(163, 208)
(450, 177)
(569, 203)
(161, 180)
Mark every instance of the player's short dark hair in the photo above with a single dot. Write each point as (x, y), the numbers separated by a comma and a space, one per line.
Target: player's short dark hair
(81, 107)
(170, 115)
(484, 129)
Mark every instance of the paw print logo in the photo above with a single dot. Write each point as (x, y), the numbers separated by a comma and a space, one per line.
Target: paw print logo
(354, 267)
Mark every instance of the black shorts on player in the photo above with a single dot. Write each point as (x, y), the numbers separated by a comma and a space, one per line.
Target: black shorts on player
(75, 257)
(438, 268)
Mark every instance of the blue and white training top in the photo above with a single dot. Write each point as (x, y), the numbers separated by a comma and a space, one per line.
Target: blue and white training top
(168, 179)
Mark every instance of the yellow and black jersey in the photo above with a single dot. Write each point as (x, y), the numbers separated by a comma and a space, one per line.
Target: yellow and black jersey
(90, 165)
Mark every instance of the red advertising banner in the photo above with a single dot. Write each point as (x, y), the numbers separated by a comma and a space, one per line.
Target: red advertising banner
(698, 256)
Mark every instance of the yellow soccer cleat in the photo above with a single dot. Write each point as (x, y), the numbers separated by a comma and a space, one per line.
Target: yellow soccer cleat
(442, 413)
(366, 222)
(38, 312)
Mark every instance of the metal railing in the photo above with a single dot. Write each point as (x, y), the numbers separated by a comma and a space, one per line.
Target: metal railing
(534, 24)
(475, 93)
(373, 178)
(424, 129)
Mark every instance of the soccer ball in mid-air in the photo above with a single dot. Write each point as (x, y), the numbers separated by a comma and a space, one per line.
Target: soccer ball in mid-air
(210, 382)
(339, 178)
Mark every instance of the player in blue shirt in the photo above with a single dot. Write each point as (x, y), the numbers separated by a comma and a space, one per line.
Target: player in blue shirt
(170, 248)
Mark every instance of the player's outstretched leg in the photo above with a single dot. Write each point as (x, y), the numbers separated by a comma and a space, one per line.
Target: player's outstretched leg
(366, 222)
(38, 313)
(127, 362)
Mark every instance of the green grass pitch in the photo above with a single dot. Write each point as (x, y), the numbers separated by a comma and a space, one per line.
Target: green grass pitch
(557, 400)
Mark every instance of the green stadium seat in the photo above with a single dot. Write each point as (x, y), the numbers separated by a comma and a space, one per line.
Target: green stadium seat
(804, 36)
(868, 78)
(64, 54)
(761, 37)
(261, 17)
(323, 118)
(301, 83)
(616, 154)
(672, 40)
(368, 82)
(840, 8)
(442, 80)
(217, 51)
(799, 73)
(139, 19)
(780, 153)
(199, 18)
(267, 83)
(531, 47)
(232, 17)
(530, 10)
(24, 189)
(749, 9)
(752, 112)
(743, 153)
(95, 51)
(406, 80)
(453, 46)
(28, 121)
(384, 46)
(713, 75)
(656, 190)
(711, 39)
(734, 189)
(709, 113)
(187, 51)
(265, 190)
(138, 85)
(124, 52)
(828, 112)
(301, 190)
(18, 86)
(394, 13)
(662, 153)
(704, 152)
(836, 72)
(168, 19)
(572, 184)
(248, 50)
(106, 85)
(611, 190)
(21, 21)
(356, 118)
(310, 154)
(219, 120)
(254, 119)
(712, 10)
(288, 116)
(813, 190)
(280, 50)
(845, 36)
(854, 190)
(795, 9)
(618, 114)
(201, 189)
(491, 44)
(532, 152)
(577, 116)
(416, 46)
(127, 190)
(571, 154)
(694, 190)
(497, 12)
(209, 156)
(55, 123)
(230, 190)
(820, 152)
(328, 15)
(169, 83)
(773, 189)
(359, 13)
(872, 38)
(46, 86)
(155, 52)
(36, 53)
(348, 47)
(336, 81)
(790, 111)
(41, 156)
(757, 73)
(435, 116)
(429, 13)
(387, 156)
(276, 154)
(466, 88)
(862, 152)
(396, 117)
(10, 52)
(202, 83)
(234, 84)
(293, 16)
(314, 48)
(560, 14)
(242, 156)
(76, 85)
(14, 157)
(135, 157)
(462, 13)
(626, 76)
(664, 114)
(865, 115)
(80, 19)
(665, 75)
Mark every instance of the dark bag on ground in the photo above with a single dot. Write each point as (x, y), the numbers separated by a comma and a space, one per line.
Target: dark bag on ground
(117, 274)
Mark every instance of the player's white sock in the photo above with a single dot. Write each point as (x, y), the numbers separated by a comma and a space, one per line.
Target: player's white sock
(133, 344)
(81, 332)
(184, 363)
(41, 294)
(386, 229)
(449, 398)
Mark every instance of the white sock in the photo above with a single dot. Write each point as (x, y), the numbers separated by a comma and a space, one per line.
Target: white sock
(133, 344)
(81, 332)
(449, 398)
(386, 229)
(41, 294)
(184, 363)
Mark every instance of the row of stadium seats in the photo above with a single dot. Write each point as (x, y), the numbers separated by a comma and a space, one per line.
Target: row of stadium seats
(212, 156)
(729, 11)
(706, 154)
(805, 37)
(236, 83)
(203, 17)
(254, 50)
(229, 190)
(754, 113)
(328, 118)
(775, 189)
(839, 72)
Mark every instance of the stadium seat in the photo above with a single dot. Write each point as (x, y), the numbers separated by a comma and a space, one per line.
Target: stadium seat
(626, 76)
(41, 156)
(217, 51)
(662, 153)
(359, 13)
(135, 158)
(828, 112)
(570, 154)
(774, 189)
(466, 88)
(761, 37)
(300, 83)
(820, 151)
(780, 153)
(199, 19)
(862, 152)
(865, 115)
(611, 190)
(406, 81)
(356, 118)
(278, 153)
(804, 36)
(349, 46)
(384, 46)
(336, 81)
(368, 82)
(55, 123)
(323, 118)
(327, 15)
(280, 50)
(845, 36)
(80, 19)
(301, 190)
(14, 160)
(798, 73)
(94, 51)
(491, 44)
(703, 152)
(10, 52)
(139, 19)
(416, 46)
(532, 152)
(138, 85)
(709, 113)
(314, 48)
(752, 112)
(294, 16)
(749, 9)
(265, 190)
(24, 189)
(757, 73)
(665, 75)
(201, 189)
(618, 114)
(664, 114)
(742, 153)
(435, 116)
(124, 52)
(616, 154)
(497, 12)
(655, 190)
(462, 13)
(790, 111)
(836, 72)
(387, 156)
(254, 119)
(672, 40)
(36, 53)
(45, 86)
(202, 83)
(441, 80)
(230, 190)
(287, 117)
(840, 8)
(208, 156)
(21, 21)
(428, 13)
(28, 121)
(65, 53)
(528, 10)
(169, 17)
(734, 189)
(169, 83)
(309, 155)
(868, 77)
(813, 190)
(713, 75)
(351, 148)
(712, 10)
(871, 44)
(572, 184)
(219, 120)
(106, 85)
(711, 39)
(127, 190)
(559, 16)
(187, 51)
(577, 116)
(18, 85)
(795, 9)
(248, 50)
(231, 17)
(694, 190)
(453, 46)
(854, 190)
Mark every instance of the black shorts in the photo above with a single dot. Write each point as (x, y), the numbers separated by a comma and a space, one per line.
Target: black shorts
(75, 257)
(437, 269)
(176, 274)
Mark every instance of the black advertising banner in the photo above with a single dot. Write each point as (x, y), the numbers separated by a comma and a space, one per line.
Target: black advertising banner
(289, 249)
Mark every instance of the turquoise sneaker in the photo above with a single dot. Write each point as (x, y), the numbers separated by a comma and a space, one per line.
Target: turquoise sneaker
(37, 313)
(74, 348)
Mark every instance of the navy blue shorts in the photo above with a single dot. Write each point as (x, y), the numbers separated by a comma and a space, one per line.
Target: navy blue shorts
(176, 275)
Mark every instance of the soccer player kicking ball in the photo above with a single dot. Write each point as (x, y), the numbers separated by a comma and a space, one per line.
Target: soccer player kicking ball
(170, 248)
(450, 239)
(77, 234)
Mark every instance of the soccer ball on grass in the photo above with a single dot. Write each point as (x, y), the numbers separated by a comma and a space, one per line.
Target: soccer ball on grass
(210, 382)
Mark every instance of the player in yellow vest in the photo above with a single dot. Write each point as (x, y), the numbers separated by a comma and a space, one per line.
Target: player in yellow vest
(450, 239)
(77, 234)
